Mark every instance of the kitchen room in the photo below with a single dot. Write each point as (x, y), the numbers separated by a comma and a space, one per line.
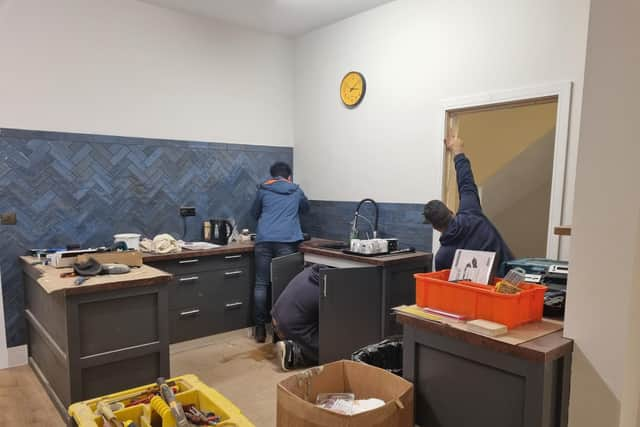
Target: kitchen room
(116, 114)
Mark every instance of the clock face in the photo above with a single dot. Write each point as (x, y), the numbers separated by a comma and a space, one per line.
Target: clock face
(352, 89)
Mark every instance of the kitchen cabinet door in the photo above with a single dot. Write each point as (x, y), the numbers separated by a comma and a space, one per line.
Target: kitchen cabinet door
(283, 269)
(350, 307)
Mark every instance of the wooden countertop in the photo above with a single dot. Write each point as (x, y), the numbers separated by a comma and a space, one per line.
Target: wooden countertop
(310, 246)
(49, 278)
(546, 348)
(313, 247)
(233, 248)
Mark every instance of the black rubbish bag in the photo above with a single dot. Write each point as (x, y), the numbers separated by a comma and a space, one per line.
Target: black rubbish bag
(386, 355)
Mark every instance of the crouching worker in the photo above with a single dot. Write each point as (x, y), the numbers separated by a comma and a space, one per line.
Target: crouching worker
(295, 320)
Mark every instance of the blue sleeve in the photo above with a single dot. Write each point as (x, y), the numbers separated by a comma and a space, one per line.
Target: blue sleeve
(304, 203)
(256, 208)
(469, 199)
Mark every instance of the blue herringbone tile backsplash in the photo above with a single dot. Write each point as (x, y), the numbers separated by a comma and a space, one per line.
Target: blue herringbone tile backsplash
(75, 188)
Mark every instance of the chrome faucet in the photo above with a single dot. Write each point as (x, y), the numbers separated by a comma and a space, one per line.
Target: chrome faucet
(354, 223)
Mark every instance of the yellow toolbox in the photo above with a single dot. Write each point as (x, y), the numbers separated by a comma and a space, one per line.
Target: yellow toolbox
(134, 405)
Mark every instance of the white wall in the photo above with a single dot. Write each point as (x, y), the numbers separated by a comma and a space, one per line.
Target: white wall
(127, 68)
(414, 54)
(603, 311)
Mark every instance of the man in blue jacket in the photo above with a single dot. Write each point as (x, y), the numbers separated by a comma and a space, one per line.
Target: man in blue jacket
(469, 228)
(277, 207)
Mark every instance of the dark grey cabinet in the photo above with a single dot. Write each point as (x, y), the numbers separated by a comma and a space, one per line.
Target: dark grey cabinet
(208, 294)
(355, 303)
(463, 379)
(95, 339)
(349, 311)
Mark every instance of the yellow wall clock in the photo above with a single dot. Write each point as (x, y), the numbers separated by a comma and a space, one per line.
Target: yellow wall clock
(352, 89)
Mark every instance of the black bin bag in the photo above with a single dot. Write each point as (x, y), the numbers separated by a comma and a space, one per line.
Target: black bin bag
(386, 354)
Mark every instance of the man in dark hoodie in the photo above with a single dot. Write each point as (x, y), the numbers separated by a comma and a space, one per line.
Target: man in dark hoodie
(295, 320)
(277, 207)
(469, 228)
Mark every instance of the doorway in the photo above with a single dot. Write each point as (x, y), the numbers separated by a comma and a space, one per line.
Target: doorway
(516, 142)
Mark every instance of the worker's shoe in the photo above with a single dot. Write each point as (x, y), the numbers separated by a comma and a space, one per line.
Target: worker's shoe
(260, 334)
(289, 355)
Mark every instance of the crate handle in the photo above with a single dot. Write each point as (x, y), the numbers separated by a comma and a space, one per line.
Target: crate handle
(233, 257)
(188, 261)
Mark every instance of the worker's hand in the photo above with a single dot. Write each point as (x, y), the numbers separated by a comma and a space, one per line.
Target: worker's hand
(454, 144)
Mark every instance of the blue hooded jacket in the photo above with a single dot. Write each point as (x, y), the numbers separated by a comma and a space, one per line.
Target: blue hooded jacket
(470, 228)
(277, 208)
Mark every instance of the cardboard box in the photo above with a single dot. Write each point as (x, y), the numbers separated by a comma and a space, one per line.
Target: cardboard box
(130, 258)
(297, 396)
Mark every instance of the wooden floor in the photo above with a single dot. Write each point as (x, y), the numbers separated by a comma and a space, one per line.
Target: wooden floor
(23, 401)
(232, 363)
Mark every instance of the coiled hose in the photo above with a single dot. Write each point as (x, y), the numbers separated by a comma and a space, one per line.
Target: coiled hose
(161, 407)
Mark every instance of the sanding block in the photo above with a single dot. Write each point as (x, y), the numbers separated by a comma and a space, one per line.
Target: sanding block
(485, 327)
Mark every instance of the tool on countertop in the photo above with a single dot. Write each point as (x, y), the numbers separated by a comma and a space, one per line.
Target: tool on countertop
(511, 282)
(79, 280)
(170, 398)
(408, 250)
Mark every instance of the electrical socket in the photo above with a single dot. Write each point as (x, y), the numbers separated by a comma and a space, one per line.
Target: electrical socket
(8, 218)
(187, 211)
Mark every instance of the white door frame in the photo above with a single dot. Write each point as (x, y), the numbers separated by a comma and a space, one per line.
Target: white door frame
(563, 91)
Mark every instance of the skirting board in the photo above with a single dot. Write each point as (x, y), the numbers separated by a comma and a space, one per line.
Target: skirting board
(16, 356)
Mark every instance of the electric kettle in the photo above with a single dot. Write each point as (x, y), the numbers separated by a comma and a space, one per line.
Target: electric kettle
(217, 231)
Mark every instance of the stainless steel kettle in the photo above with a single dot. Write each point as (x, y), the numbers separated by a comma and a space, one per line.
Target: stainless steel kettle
(217, 231)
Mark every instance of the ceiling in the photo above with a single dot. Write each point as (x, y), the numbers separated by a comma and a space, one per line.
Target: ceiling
(286, 17)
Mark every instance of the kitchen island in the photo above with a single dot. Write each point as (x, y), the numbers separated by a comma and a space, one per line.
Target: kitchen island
(108, 334)
(462, 378)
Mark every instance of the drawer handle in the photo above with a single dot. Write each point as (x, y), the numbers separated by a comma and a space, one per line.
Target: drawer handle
(233, 257)
(234, 305)
(188, 261)
(233, 273)
(189, 313)
(188, 279)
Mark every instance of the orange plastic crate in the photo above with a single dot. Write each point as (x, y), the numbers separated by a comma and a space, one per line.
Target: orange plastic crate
(477, 301)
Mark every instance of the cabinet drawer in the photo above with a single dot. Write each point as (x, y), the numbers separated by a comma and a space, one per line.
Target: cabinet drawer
(198, 264)
(189, 323)
(236, 314)
(190, 289)
(225, 262)
(179, 267)
(233, 284)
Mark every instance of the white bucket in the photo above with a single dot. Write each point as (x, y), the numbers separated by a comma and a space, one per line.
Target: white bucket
(131, 239)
